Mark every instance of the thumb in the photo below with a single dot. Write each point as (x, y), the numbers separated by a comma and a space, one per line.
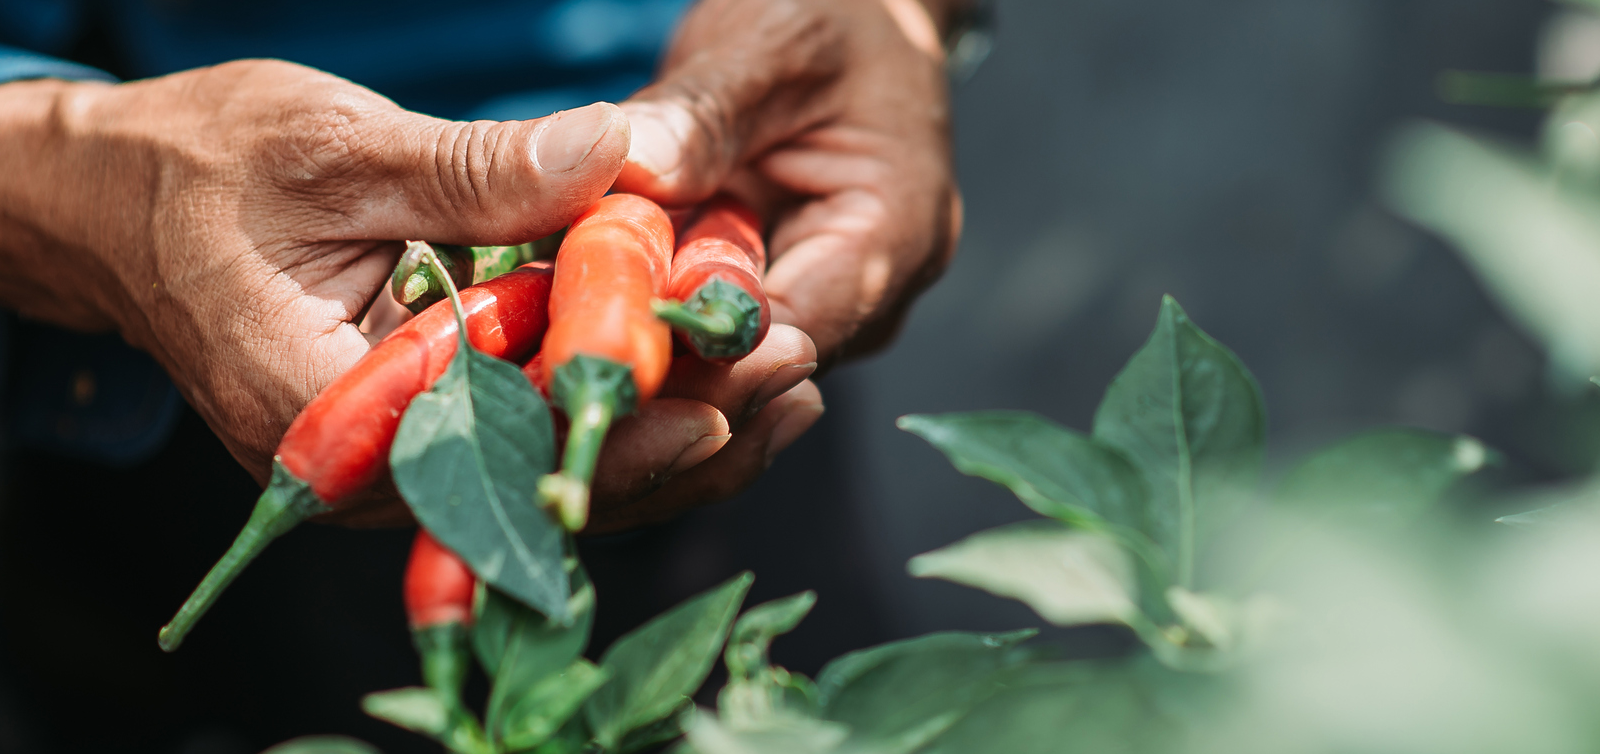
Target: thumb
(716, 108)
(485, 182)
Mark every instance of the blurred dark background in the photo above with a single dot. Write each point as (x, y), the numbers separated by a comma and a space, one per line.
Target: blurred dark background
(1109, 152)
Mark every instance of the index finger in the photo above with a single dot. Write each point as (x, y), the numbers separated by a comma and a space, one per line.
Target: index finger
(785, 358)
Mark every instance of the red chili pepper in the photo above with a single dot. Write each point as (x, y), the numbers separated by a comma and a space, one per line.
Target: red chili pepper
(338, 447)
(438, 586)
(533, 369)
(715, 300)
(606, 353)
(439, 591)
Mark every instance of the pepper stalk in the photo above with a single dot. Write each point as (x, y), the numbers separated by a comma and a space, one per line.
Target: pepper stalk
(593, 392)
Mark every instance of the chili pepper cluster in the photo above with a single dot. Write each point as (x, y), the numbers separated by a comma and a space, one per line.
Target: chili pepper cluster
(593, 330)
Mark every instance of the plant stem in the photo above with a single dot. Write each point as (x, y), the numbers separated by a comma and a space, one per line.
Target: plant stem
(593, 391)
(709, 322)
(431, 258)
(568, 491)
(285, 503)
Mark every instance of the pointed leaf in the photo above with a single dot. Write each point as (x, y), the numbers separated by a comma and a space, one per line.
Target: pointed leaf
(658, 732)
(1208, 615)
(658, 664)
(322, 745)
(1190, 418)
(846, 669)
(757, 691)
(1097, 707)
(571, 739)
(427, 711)
(897, 697)
(467, 459)
(1531, 242)
(417, 709)
(1387, 473)
(521, 649)
(789, 735)
(753, 634)
(1069, 577)
(769, 693)
(1054, 470)
(544, 708)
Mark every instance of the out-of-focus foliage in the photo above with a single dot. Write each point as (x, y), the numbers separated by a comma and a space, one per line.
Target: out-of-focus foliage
(1527, 220)
(1337, 614)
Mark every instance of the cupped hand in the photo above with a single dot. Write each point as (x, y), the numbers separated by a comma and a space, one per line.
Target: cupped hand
(714, 430)
(236, 221)
(831, 116)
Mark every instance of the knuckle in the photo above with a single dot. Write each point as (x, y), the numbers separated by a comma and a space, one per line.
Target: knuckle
(313, 148)
(813, 40)
(464, 164)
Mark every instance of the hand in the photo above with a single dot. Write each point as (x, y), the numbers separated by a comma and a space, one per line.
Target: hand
(832, 117)
(236, 221)
(727, 423)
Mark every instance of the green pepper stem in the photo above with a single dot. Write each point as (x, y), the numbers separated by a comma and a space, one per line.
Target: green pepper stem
(568, 491)
(720, 321)
(444, 652)
(285, 503)
(708, 320)
(431, 258)
(592, 391)
(417, 285)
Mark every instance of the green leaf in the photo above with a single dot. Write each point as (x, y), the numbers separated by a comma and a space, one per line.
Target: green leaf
(1069, 577)
(418, 709)
(897, 697)
(1227, 629)
(542, 710)
(1190, 418)
(467, 459)
(846, 669)
(521, 649)
(658, 732)
(572, 738)
(427, 711)
(756, 691)
(322, 745)
(768, 694)
(789, 735)
(1531, 242)
(1053, 470)
(752, 636)
(1387, 473)
(1067, 707)
(658, 664)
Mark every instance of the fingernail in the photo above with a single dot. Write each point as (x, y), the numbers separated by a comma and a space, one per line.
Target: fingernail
(791, 427)
(781, 381)
(571, 136)
(698, 451)
(655, 147)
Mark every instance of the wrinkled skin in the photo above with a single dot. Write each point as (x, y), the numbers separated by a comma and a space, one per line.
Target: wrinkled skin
(832, 118)
(239, 222)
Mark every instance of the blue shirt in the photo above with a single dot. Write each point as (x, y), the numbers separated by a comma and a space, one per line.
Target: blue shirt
(95, 397)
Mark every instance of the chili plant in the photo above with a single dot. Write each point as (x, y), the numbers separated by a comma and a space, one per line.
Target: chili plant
(1130, 510)
(1131, 513)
